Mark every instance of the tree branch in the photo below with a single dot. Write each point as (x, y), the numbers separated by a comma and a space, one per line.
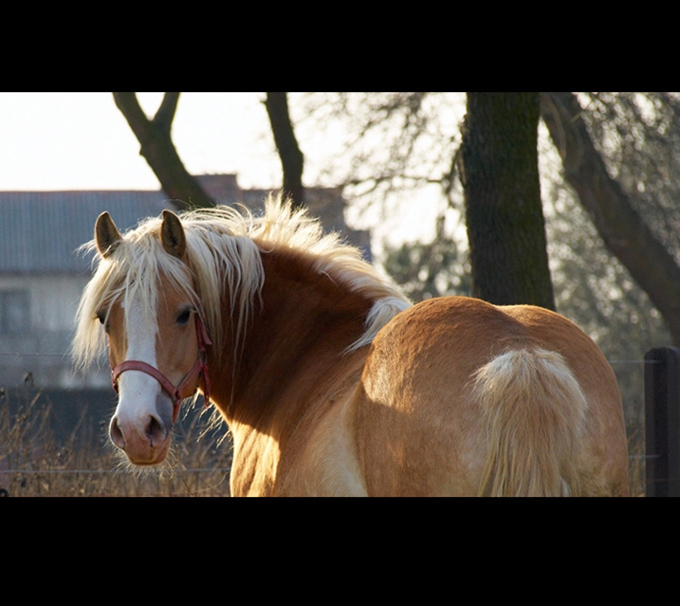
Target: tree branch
(159, 151)
(623, 230)
(292, 159)
(166, 112)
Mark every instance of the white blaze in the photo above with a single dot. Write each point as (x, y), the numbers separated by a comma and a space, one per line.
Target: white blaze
(138, 391)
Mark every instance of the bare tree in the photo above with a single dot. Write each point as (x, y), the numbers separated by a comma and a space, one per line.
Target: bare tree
(292, 159)
(159, 151)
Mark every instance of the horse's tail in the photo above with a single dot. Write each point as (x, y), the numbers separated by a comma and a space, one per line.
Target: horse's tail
(534, 411)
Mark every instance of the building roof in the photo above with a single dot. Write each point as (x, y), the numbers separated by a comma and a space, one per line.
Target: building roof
(40, 232)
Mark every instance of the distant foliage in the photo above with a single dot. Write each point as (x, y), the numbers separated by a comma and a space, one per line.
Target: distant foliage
(426, 270)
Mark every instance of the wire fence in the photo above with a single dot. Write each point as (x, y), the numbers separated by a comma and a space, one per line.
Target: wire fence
(36, 464)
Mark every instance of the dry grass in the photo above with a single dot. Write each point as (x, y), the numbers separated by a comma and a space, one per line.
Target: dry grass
(636, 460)
(34, 463)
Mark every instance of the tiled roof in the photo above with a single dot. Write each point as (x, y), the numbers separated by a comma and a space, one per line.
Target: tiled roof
(40, 231)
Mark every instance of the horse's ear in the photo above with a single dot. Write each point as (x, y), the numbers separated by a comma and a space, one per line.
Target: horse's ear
(172, 235)
(106, 235)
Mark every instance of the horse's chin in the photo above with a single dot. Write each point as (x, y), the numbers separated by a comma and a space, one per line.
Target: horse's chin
(150, 457)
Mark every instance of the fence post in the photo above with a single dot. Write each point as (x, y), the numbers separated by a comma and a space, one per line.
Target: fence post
(662, 422)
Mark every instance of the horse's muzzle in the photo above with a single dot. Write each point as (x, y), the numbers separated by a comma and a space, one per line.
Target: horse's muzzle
(146, 439)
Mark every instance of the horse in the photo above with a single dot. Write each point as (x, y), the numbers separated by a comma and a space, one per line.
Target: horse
(331, 382)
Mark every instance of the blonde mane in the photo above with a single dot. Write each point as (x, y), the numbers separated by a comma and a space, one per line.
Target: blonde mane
(223, 248)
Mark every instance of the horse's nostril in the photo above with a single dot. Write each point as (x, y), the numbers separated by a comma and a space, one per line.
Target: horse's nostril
(155, 431)
(116, 434)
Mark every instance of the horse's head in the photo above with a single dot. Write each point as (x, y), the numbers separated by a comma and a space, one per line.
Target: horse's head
(157, 355)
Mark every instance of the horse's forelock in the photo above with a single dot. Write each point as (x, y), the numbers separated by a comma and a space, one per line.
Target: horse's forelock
(130, 273)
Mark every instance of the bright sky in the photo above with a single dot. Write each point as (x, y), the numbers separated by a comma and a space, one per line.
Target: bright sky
(57, 141)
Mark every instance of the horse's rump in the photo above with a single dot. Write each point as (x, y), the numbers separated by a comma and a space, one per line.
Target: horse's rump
(459, 397)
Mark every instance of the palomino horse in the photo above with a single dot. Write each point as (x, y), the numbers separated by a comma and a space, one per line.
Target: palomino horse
(331, 383)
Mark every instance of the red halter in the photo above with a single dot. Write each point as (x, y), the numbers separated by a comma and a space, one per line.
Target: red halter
(200, 368)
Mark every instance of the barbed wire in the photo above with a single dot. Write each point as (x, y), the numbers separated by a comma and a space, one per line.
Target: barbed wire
(34, 354)
(102, 471)
(634, 361)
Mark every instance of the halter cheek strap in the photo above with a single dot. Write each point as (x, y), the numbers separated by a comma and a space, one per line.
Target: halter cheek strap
(198, 370)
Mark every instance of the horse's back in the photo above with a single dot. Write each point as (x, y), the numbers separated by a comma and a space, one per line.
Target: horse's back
(421, 423)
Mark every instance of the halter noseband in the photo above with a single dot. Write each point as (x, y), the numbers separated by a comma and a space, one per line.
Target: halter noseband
(200, 368)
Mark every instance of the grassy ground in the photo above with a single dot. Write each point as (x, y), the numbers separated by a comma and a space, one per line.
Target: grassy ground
(33, 462)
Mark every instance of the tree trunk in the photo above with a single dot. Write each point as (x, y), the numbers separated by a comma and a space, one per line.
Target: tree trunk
(505, 224)
(292, 159)
(623, 230)
(159, 151)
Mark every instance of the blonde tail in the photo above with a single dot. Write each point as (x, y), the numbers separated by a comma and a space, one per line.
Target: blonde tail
(534, 413)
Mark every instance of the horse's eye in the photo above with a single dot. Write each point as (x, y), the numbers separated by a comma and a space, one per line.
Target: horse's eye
(183, 318)
(101, 316)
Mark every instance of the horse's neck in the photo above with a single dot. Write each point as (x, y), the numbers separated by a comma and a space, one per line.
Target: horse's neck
(294, 348)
